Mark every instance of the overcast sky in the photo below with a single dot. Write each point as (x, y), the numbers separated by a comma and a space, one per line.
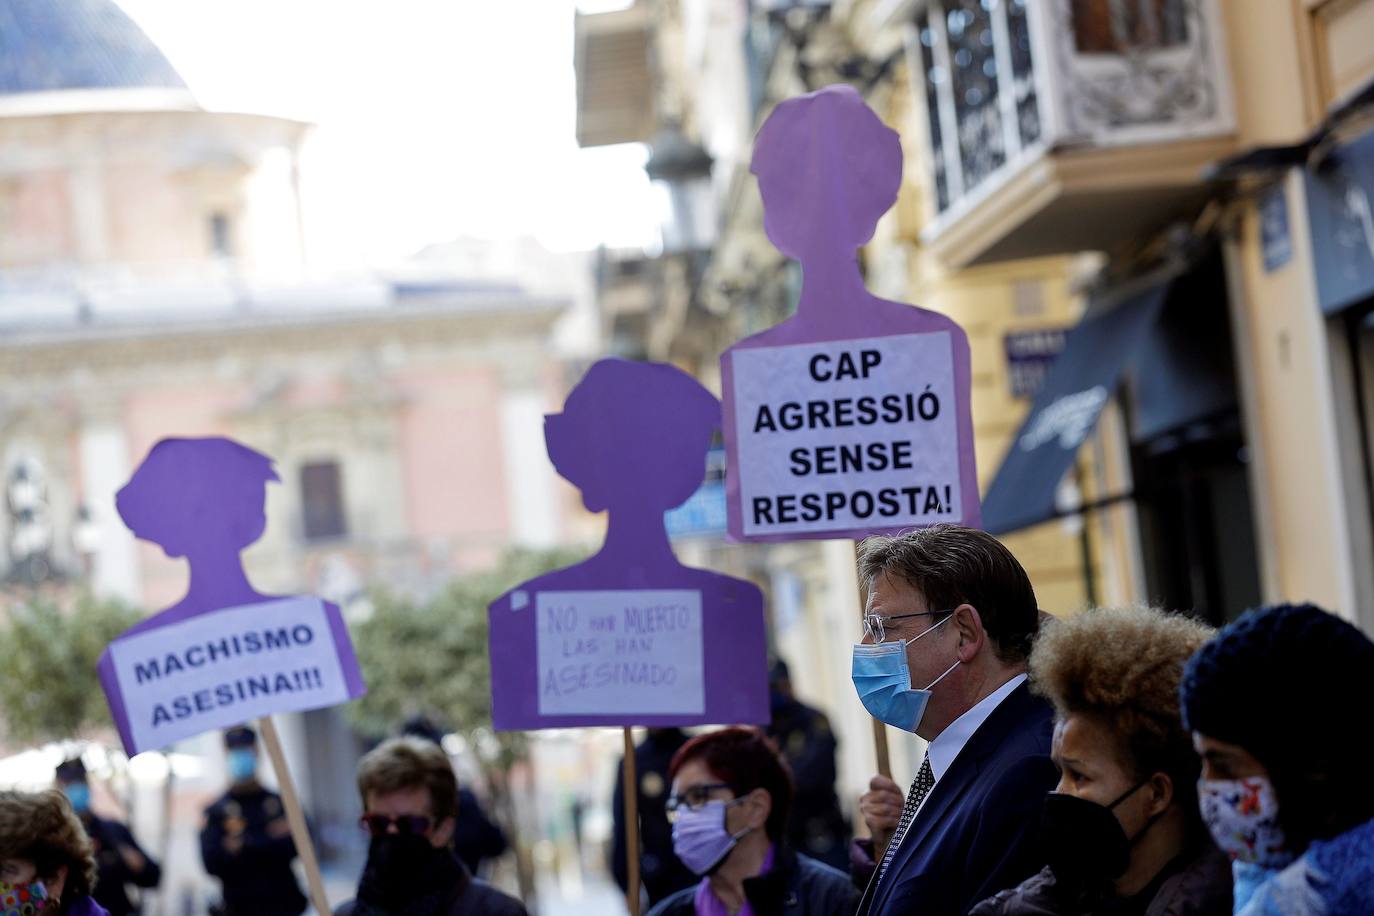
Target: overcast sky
(436, 118)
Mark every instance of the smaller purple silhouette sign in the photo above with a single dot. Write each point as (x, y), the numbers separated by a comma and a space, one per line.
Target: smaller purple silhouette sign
(852, 417)
(224, 653)
(630, 636)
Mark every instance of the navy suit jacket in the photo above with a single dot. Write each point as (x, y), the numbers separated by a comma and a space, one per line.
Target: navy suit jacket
(975, 833)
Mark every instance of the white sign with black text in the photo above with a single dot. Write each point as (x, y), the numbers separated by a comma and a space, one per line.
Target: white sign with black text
(847, 434)
(225, 667)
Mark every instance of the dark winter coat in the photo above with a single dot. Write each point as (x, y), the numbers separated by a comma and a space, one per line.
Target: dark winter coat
(255, 868)
(1194, 884)
(795, 886)
(113, 873)
(468, 897)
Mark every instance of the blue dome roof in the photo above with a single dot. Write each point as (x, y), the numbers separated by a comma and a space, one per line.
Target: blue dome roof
(48, 45)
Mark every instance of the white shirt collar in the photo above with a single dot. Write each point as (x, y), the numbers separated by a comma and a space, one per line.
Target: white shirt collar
(951, 741)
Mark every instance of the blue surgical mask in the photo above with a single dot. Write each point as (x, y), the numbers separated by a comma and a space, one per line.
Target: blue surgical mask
(243, 764)
(79, 794)
(700, 837)
(883, 680)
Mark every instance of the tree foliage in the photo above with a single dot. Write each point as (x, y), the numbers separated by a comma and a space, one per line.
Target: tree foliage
(430, 658)
(49, 690)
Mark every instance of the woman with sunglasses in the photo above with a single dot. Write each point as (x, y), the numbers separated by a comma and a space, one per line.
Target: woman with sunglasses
(731, 792)
(410, 804)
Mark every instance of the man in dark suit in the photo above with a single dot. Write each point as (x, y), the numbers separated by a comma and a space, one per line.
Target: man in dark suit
(948, 627)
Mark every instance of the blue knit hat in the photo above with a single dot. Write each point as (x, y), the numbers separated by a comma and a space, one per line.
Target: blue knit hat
(1280, 682)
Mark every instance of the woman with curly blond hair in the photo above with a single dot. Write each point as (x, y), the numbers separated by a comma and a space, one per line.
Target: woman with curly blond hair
(47, 865)
(1121, 831)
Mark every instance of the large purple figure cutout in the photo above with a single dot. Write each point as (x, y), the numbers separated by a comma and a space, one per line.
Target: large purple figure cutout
(630, 636)
(852, 417)
(224, 653)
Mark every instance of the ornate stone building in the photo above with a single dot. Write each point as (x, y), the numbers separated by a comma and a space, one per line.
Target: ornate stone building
(1195, 170)
(152, 284)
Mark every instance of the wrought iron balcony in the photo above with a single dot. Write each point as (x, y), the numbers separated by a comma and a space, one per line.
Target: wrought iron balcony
(1027, 100)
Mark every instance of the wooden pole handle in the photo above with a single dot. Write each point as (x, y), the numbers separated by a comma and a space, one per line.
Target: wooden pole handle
(880, 750)
(631, 790)
(295, 815)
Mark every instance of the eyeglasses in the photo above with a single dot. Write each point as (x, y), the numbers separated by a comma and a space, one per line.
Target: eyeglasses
(380, 824)
(694, 798)
(873, 623)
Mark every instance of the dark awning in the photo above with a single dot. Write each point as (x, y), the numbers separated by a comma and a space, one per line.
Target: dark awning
(1184, 374)
(1065, 411)
(1339, 219)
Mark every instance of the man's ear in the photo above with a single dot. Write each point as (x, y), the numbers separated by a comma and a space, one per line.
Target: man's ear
(443, 833)
(972, 636)
(1161, 789)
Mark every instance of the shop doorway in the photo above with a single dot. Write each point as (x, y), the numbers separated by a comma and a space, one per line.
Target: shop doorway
(1190, 458)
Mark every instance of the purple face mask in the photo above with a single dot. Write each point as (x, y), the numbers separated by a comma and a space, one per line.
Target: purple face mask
(700, 837)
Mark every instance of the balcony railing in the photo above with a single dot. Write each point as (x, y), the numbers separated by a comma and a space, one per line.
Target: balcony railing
(1004, 81)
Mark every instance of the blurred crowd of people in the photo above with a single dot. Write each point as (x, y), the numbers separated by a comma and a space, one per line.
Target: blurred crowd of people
(1122, 761)
(55, 852)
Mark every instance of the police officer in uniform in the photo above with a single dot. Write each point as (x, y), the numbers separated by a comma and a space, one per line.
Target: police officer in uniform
(246, 841)
(118, 859)
(815, 827)
(659, 867)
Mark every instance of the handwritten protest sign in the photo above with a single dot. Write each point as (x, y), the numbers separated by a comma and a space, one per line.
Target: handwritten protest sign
(640, 652)
(630, 636)
(216, 670)
(852, 417)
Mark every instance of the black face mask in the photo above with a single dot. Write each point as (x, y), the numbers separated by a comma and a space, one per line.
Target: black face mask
(405, 874)
(1083, 841)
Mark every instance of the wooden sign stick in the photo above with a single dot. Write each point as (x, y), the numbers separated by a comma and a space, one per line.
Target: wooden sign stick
(295, 816)
(631, 788)
(879, 729)
(880, 750)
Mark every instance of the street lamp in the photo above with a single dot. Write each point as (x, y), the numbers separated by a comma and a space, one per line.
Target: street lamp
(681, 170)
(26, 499)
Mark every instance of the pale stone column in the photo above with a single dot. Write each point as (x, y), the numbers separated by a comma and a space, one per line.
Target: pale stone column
(104, 451)
(530, 496)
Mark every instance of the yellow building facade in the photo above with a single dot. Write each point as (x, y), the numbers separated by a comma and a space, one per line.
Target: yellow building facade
(1070, 163)
(1099, 203)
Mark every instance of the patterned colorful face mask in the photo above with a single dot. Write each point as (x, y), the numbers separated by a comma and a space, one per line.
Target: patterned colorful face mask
(1243, 817)
(23, 899)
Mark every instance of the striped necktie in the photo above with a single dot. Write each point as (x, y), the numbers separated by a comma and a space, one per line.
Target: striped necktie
(920, 788)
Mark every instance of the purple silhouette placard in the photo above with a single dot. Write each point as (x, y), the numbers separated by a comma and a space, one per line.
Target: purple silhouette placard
(852, 417)
(630, 636)
(223, 654)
